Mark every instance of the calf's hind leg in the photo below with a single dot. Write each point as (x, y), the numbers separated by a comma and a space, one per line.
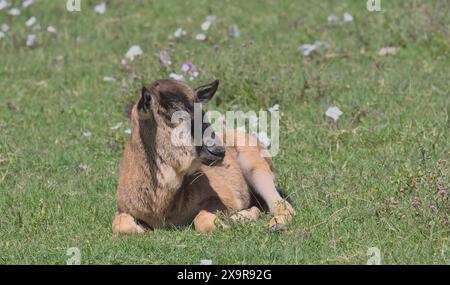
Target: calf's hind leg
(258, 173)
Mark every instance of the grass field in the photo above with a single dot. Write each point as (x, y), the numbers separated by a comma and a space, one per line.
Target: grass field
(376, 178)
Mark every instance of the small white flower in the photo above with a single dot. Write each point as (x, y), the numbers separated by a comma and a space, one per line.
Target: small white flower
(164, 58)
(176, 76)
(185, 67)
(87, 134)
(3, 4)
(205, 262)
(274, 108)
(100, 8)
(51, 29)
(205, 26)
(30, 22)
(14, 12)
(207, 23)
(211, 18)
(5, 28)
(234, 31)
(27, 3)
(195, 74)
(347, 17)
(128, 131)
(333, 19)
(179, 33)
(109, 79)
(387, 51)
(307, 49)
(31, 40)
(116, 126)
(133, 52)
(2, 35)
(84, 168)
(333, 112)
(200, 37)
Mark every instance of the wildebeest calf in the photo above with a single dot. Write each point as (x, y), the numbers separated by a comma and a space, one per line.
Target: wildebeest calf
(162, 184)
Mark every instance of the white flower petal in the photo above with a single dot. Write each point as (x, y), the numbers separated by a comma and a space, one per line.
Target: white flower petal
(275, 108)
(5, 28)
(164, 58)
(14, 12)
(87, 134)
(2, 35)
(211, 18)
(205, 26)
(128, 131)
(333, 19)
(30, 22)
(109, 79)
(176, 76)
(307, 49)
(27, 3)
(100, 8)
(347, 17)
(31, 40)
(133, 52)
(179, 33)
(4, 4)
(200, 37)
(185, 67)
(51, 29)
(333, 112)
(387, 51)
(116, 126)
(206, 262)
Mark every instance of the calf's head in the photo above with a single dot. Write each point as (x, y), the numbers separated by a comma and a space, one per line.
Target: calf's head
(164, 119)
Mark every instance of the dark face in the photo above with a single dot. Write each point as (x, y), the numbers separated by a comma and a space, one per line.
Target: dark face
(166, 98)
(210, 153)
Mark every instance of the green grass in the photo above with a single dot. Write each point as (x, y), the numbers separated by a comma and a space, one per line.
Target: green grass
(356, 184)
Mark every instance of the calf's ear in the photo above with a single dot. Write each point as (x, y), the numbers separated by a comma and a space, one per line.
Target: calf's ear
(205, 92)
(144, 106)
(144, 101)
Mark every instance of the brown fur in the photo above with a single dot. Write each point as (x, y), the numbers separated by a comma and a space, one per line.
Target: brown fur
(161, 185)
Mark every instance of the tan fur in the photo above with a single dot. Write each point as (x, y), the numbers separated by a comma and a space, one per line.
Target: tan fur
(161, 185)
